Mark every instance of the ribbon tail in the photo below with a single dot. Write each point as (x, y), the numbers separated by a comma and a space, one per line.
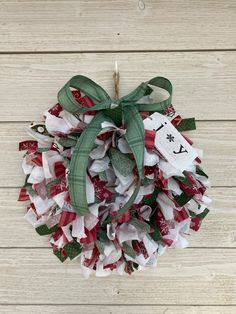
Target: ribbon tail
(135, 139)
(79, 164)
(135, 135)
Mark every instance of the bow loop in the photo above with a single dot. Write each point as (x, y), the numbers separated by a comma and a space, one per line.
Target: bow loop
(91, 89)
(136, 94)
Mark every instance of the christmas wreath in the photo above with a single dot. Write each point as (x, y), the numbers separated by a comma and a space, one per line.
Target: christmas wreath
(113, 182)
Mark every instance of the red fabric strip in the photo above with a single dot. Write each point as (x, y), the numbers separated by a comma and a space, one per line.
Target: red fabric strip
(176, 121)
(123, 218)
(181, 215)
(196, 223)
(59, 169)
(150, 139)
(66, 218)
(55, 110)
(91, 235)
(170, 111)
(161, 223)
(30, 146)
(37, 159)
(100, 190)
(23, 196)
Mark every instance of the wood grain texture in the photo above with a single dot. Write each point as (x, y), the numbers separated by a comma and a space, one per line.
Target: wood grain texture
(217, 230)
(204, 82)
(42, 44)
(190, 276)
(215, 138)
(115, 309)
(116, 25)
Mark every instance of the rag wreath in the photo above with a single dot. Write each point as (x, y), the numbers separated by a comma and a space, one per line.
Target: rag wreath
(113, 182)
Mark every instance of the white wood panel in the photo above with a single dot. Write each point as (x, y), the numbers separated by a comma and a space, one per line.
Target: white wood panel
(204, 82)
(115, 309)
(217, 139)
(197, 280)
(116, 25)
(191, 276)
(217, 230)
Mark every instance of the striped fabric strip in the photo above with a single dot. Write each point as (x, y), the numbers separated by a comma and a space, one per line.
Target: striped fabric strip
(150, 138)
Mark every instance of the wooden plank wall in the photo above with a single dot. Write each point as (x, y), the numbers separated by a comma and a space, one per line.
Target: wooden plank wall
(193, 43)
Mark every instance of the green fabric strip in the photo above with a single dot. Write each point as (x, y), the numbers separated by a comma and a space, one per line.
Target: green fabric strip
(121, 162)
(182, 199)
(135, 136)
(79, 164)
(186, 125)
(44, 230)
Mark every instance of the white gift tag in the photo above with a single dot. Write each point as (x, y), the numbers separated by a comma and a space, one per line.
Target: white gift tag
(169, 142)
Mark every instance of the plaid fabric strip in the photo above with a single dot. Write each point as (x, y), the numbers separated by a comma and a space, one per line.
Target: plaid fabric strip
(135, 135)
(79, 164)
(89, 88)
(161, 106)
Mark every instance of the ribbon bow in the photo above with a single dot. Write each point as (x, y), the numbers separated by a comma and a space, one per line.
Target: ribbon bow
(126, 110)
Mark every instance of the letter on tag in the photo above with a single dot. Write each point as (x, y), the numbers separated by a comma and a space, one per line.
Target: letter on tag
(169, 142)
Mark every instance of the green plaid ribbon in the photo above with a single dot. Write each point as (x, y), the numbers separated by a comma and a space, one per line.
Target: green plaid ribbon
(124, 110)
